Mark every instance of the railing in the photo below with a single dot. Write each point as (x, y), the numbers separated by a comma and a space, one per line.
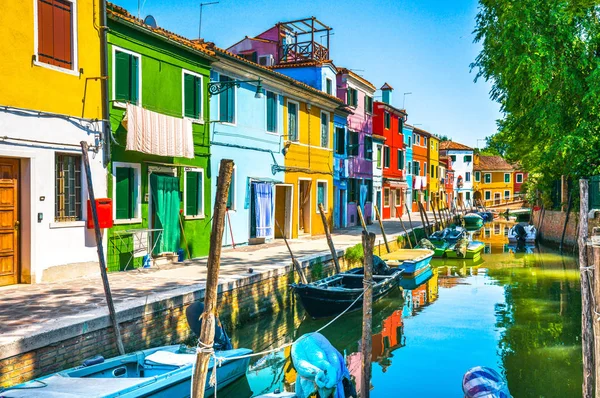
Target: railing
(503, 201)
(308, 50)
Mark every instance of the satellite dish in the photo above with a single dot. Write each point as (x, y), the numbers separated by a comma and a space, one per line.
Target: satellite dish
(149, 20)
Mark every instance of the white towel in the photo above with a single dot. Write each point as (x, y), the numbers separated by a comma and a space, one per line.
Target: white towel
(158, 134)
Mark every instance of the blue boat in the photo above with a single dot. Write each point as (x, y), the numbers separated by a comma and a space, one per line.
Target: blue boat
(413, 283)
(157, 372)
(412, 261)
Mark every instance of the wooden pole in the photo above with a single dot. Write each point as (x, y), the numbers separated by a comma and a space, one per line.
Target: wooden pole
(436, 223)
(411, 225)
(387, 246)
(187, 248)
(361, 218)
(425, 226)
(101, 260)
(426, 218)
(368, 240)
(329, 241)
(294, 261)
(562, 238)
(208, 317)
(404, 229)
(587, 334)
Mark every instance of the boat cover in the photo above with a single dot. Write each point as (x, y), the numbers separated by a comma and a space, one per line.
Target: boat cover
(483, 382)
(171, 358)
(66, 387)
(407, 255)
(320, 367)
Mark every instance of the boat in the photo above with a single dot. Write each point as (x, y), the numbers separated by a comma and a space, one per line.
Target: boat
(487, 216)
(332, 295)
(157, 372)
(474, 250)
(413, 283)
(522, 233)
(439, 247)
(451, 234)
(520, 215)
(412, 261)
(473, 220)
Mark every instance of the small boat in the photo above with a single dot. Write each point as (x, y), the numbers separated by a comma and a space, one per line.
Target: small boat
(332, 295)
(474, 250)
(487, 216)
(449, 234)
(413, 283)
(473, 220)
(412, 261)
(438, 246)
(522, 233)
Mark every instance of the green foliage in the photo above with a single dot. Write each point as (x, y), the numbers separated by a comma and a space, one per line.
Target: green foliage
(316, 271)
(542, 59)
(355, 254)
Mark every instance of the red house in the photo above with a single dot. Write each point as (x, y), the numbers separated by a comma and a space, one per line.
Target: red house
(387, 122)
(519, 177)
(447, 175)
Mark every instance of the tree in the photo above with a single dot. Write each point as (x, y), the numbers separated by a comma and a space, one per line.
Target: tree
(542, 59)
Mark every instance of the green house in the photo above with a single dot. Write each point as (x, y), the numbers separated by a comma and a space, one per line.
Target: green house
(159, 171)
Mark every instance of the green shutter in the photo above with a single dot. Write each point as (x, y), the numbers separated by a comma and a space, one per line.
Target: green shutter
(134, 83)
(125, 205)
(321, 194)
(189, 87)
(271, 112)
(122, 76)
(198, 97)
(191, 193)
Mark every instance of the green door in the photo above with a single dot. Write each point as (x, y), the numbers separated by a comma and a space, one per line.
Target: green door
(165, 202)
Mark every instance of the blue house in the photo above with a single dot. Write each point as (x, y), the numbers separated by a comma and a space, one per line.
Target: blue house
(408, 134)
(340, 170)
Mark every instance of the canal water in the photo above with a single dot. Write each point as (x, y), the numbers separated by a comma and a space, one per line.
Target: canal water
(517, 312)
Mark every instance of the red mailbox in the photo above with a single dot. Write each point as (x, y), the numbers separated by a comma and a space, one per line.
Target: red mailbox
(105, 213)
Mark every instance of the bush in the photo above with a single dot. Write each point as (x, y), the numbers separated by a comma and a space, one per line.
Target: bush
(316, 271)
(355, 254)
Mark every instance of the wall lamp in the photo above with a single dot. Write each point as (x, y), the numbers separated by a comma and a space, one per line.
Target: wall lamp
(219, 87)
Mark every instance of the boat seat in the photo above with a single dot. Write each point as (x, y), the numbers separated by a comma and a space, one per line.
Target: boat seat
(170, 358)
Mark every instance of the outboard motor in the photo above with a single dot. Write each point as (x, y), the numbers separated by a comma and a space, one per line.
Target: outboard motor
(520, 233)
(380, 267)
(193, 313)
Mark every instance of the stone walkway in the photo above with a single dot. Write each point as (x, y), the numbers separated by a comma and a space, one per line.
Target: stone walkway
(46, 311)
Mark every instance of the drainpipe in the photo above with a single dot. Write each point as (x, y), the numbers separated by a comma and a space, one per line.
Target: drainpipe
(104, 91)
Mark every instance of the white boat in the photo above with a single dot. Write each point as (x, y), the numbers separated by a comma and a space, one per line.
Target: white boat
(527, 234)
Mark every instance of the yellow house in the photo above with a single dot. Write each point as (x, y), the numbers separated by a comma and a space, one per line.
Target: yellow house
(433, 156)
(50, 101)
(493, 182)
(308, 151)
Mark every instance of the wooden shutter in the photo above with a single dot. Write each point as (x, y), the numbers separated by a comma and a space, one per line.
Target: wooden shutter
(198, 97)
(191, 193)
(122, 75)
(188, 95)
(271, 112)
(133, 78)
(125, 181)
(55, 33)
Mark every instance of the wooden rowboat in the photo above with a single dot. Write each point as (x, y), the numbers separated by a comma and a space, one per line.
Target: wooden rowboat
(412, 261)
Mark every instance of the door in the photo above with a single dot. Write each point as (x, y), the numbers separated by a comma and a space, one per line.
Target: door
(497, 198)
(342, 207)
(393, 205)
(304, 206)
(9, 221)
(165, 212)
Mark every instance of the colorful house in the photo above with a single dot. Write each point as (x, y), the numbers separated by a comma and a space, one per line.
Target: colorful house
(446, 182)
(433, 156)
(493, 180)
(378, 146)
(407, 131)
(461, 157)
(420, 168)
(159, 172)
(340, 168)
(51, 101)
(519, 177)
(389, 121)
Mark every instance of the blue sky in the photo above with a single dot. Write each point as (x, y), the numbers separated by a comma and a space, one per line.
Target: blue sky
(422, 46)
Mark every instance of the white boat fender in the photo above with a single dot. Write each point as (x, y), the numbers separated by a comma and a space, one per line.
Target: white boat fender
(484, 382)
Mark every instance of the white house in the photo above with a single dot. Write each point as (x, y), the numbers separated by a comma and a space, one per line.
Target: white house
(462, 163)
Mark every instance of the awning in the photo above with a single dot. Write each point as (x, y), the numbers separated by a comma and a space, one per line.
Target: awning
(398, 184)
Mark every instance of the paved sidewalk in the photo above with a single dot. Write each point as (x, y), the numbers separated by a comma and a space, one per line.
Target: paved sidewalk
(30, 312)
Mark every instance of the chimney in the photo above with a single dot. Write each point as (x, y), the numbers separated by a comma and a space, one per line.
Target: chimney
(386, 92)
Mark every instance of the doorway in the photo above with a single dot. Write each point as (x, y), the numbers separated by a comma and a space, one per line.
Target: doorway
(342, 207)
(304, 216)
(163, 209)
(497, 198)
(9, 221)
(283, 211)
(393, 204)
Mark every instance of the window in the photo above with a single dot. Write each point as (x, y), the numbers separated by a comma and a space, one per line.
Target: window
(432, 171)
(127, 77)
(352, 95)
(488, 195)
(192, 95)
(507, 177)
(386, 197)
(416, 168)
(352, 143)
(487, 178)
(368, 104)
(56, 33)
(400, 159)
(126, 191)
(409, 144)
(453, 157)
(250, 56)
(409, 168)
(506, 195)
(292, 108)
(387, 120)
(416, 139)
(424, 169)
(329, 86)
(340, 138)
(519, 178)
(467, 196)
(368, 148)
(322, 195)
(67, 188)
(227, 102)
(379, 156)
(386, 156)
(477, 176)
(271, 112)
(425, 142)
(400, 123)
(467, 158)
(324, 129)
(468, 176)
(193, 189)
(398, 198)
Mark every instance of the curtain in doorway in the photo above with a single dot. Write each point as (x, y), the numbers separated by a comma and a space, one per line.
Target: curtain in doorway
(363, 196)
(165, 200)
(263, 197)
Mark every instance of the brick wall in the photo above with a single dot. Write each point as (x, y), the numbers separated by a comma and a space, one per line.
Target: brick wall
(552, 223)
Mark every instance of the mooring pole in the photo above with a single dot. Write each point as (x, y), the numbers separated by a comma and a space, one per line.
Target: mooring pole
(587, 333)
(426, 218)
(562, 238)
(101, 260)
(368, 240)
(207, 332)
(294, 261)
(329, 241)
(436, 223)
(425, 226)
(361, 218)
(411, 225)
(404, 229)
(387, 246)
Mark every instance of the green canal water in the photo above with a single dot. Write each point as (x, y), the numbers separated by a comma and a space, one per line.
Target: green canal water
(519, 313)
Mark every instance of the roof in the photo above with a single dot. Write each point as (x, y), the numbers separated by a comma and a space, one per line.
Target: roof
(303, 64)
(491, 163)
(357, 77)
(450, 145)
(386, 86)
(421, 131)
(394, 110)
(119, 13)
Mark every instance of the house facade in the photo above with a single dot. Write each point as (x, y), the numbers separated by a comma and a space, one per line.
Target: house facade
(446, 182)
(159, 173)
(378, 149)
(51, 101)
(519, 177)
(493, 180)
(420, 168)
(433, 156)
(461, 157)
(407, 131)
(340, 169)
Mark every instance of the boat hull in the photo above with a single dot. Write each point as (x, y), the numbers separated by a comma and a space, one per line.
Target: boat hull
(473, 220)
(474, 251)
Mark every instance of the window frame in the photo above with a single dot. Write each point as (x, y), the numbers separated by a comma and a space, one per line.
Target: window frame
(465, 158)
(509, 179)
(328, 116)
(137, 173)
(218, 76)
(287, 107)
(398, 197)
(276, 132)
(368, 149)
(329, 86)
(325, 196)
(477, 176)
(468, 176)
(350, 151)
(425, 171)
(400, 155)
(199, 120)
(387, 120)
(338, 129)
(485, 177)
(507, 191)
(202, 214)
(485, 195)
(119, 104)
(379, 157)
(387, 159)
(517, 178)
(368, 104)
(387, 196)
(82, 193)
(74, 41)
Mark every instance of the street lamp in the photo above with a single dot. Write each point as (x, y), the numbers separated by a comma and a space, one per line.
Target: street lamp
(219, 87)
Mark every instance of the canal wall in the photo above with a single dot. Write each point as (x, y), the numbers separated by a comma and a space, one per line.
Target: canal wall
(551, 224)
(161, 320)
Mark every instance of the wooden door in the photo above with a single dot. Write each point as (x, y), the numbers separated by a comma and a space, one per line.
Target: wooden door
(9, 221)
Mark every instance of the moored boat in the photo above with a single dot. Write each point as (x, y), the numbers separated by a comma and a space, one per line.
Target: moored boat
(438, 246)
(522, 233)
(413, 283)
(412, 261)
(474, 250)
(473, 220)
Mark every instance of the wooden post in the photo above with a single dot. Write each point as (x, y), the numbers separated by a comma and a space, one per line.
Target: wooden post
(404, 229)
(387, 246)
(361, 218)
(587, 334)
(562, 238)
(436, 223)
(294, 261)
(368, 240)
(101, 260)
(426, 218)
(329, 241)
(411, 225)
(425, 226)
(207, 332)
